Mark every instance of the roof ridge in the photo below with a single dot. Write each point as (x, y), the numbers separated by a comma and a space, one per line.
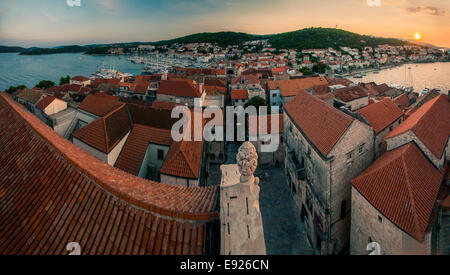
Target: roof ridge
(185, 157)
(408, 186)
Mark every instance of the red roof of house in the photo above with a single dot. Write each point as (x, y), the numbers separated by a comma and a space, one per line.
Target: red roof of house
(133, 152)
(80, 78)
(239, 94)
(100, 104)
(56, 193)
(293, 86)
(403, 185)
(322, 124)
(183, 160)
(253, 131)
(402, 101)
(430, 123)
(350, 93)
(106, 132)
(381, 114)
(45, 102)
(165, 105)
(215, 90)
(185, 88)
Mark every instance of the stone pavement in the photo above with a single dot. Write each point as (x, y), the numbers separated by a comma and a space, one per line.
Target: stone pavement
(283, 230)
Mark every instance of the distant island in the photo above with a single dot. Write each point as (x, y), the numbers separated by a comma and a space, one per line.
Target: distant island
(310, 38)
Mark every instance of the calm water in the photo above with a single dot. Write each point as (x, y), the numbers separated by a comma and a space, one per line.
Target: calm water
(419, 76)
(18, 69)
(29, 70)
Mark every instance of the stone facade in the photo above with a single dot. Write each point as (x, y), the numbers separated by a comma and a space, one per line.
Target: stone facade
(379, 139)
(369, 225)
(402, 139)
(321, 184)
(240, 216)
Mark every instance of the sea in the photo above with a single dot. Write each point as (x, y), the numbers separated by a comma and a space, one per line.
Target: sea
(28, 70)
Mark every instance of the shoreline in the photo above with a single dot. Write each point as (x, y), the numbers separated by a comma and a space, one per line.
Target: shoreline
(355, 72)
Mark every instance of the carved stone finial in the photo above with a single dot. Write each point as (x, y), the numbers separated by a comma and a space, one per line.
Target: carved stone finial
(247, 161)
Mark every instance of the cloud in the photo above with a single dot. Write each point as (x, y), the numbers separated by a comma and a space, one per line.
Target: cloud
(51, 17)
(427, 10)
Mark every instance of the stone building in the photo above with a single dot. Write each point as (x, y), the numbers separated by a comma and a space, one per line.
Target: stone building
(384, 117)
(401, 201)
(325, 149)
(240, 216)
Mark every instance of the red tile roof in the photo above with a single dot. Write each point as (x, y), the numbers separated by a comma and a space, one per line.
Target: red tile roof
(80, 78)
(381, 114)
(403, 185)
(321, 123)
(402, 101)
(185, 88)
(294, 86)
(215, 90)
(133, 153)
(53, 193)
(106, 132)
(183, 160)
(350, 93)
(430, 123)
(45, 102)
(100, 104)
(239, 94)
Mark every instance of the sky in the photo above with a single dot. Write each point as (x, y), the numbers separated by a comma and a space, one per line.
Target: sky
(47, 23)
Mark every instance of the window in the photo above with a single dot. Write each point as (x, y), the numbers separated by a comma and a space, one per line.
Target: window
(380, 219)
(343, 209)
(274, 95)
(391, 128)
(361, 148)
(350, 155)
(160, 154)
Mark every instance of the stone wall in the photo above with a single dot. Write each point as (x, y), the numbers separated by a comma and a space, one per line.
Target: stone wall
(369, 225)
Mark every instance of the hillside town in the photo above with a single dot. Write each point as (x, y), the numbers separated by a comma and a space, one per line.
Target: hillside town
(259, 54)
(357, 164)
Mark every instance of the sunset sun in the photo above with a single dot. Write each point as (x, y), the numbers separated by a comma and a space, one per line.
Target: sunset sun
(417, 36)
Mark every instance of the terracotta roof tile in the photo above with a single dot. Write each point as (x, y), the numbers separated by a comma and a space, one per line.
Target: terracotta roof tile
(183, 159)
(53, 193)
(320, 122)
(403, 185)
(430, 123)
(185, 88)
(294, 86)
(350, 93)
(106, 132)
(239, 94)
(402, 101)
(100, 104)
(381, 114)
(80, 78)
(32, 96)
(45, 102)
(132, 155)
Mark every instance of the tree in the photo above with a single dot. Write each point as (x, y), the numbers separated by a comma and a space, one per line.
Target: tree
(257, 102)
(64, 80)
(12, 89)
(306, 71)
(320, 68)
(45, 84)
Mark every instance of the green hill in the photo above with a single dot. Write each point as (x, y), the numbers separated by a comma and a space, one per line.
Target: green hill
(6, 49)
(310, 38)
(221, 38)
(315, 38)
